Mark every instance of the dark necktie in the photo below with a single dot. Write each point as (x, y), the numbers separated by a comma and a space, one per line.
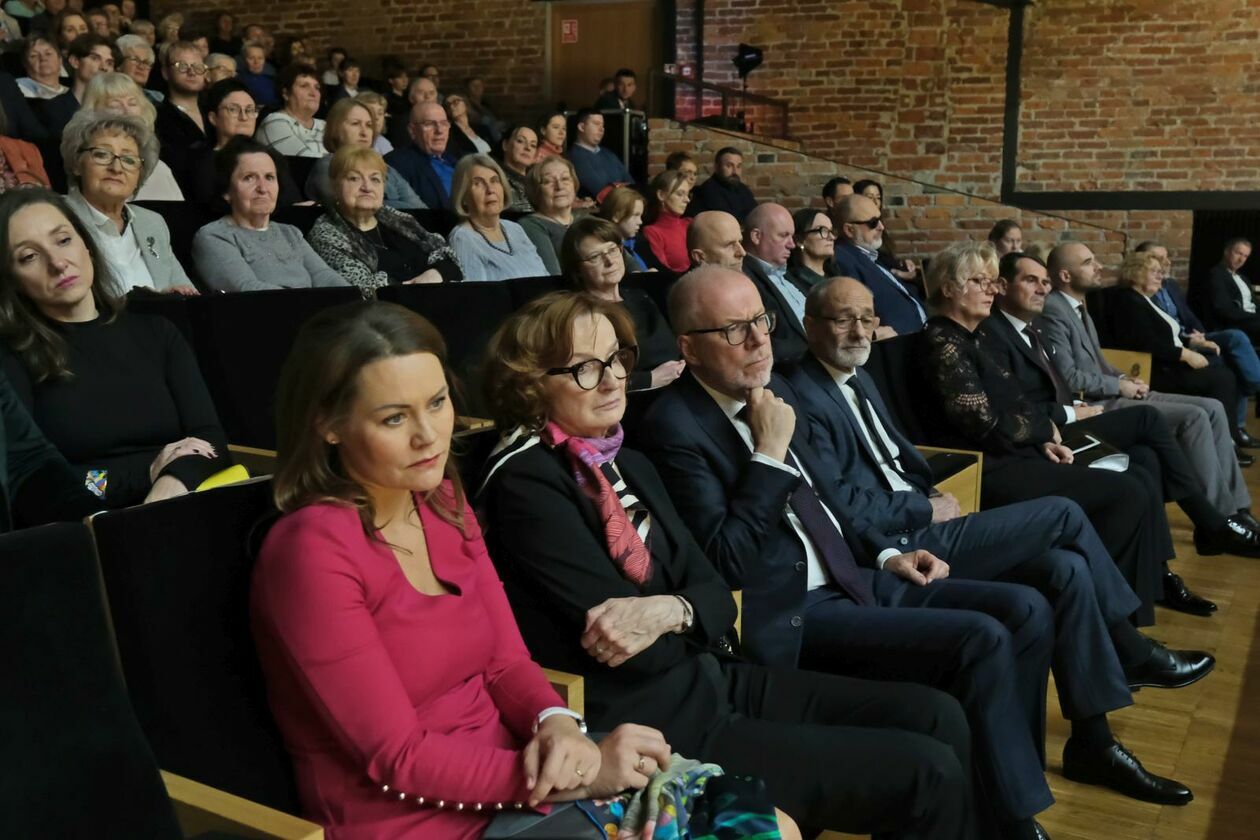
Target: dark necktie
(1062, 394)
(827, 539)
(872, 428)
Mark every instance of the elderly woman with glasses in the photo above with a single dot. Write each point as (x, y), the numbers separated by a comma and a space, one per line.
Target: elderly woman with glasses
(108, 157)
(551, 187)
(245, 251)
(810, 261)
(366, 241)
(117, 93)
(137, 61)
(488, 246)
(350, 124)
(593, 260)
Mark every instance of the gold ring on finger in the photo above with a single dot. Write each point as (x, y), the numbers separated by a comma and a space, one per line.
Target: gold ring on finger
(579, 771)
(639, 765)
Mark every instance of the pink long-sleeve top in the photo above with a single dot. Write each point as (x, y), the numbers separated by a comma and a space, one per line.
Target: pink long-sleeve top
(373, 683)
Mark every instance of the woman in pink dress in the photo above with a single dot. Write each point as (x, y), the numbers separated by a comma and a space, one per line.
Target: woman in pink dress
(394, 667)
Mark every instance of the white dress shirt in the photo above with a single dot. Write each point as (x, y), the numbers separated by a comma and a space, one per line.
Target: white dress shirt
(1020, 326)
(892, 472)
(1173, 325)
(121, 250)
(1248, 302)
(816, 572)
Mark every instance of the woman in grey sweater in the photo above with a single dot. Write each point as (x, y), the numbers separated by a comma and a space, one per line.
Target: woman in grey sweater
(245, 251)
(488, 247)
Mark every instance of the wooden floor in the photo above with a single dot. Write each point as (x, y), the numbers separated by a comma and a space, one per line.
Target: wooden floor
(1206, 735)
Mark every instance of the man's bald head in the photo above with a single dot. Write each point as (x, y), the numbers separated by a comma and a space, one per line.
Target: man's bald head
(714, 238)
(1073, 265)
(768, 233)
(712, 297)
(855, 213)
(840, 322)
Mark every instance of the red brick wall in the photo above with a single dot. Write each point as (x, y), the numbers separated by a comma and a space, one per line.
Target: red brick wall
(502, 40)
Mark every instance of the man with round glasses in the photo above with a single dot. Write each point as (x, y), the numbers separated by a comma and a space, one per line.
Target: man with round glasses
(858, 239)
(180, 126)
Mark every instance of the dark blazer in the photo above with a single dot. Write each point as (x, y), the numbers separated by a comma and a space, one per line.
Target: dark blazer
(788, 338)
(1189, 321)
(1217, 299)
(731, 197)
(1135, 325)
(55, 113)
(547, 542)
(894, 301)
(1008, 347)
(735, 507)
(22, 122)
(417, 168)
(836, 436)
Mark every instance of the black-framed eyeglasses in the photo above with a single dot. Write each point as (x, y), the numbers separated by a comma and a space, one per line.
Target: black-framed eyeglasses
(824, 232)
(873, 223)
(847, 323)
(602, 255)
(590, 373)
(104, 157)
(737, 332)
(186, 67)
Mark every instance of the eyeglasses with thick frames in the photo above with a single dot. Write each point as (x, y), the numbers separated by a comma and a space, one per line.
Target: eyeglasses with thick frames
(185, 67)
(985, 284)
(602, 255)
(824, 232)
(737, 332)
(104, 157)
(590, 373)
(873, 223)
(848, 322)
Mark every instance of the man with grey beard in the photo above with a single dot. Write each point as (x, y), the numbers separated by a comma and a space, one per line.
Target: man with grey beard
(1046, 543)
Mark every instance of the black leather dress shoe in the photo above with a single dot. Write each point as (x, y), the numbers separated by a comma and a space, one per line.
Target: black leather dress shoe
(1244, 460)
(1245, 440)
(1235, 538)
(1177, 596)
(1170, 668)
(1114, 767)
(1042, 834)
(1244, 517)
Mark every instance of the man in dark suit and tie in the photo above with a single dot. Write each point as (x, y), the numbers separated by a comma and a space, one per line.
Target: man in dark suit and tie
(1012, 335)
(426, 162)
(858, 239)
(1048, 544)
(818, 592)
(1225, 298)
(768, 242)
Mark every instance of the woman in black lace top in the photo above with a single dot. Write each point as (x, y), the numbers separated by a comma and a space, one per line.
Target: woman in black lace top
(982, 405)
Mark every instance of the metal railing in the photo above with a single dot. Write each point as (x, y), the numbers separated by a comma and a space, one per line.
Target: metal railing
(688, 101)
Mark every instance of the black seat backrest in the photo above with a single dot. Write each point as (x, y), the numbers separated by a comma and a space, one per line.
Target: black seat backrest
(656, 283)
(241, 341)
(300, 168)
(525, 289)
(174, 308)
(434, 220)
(301, 216)
(77, 764)
(467, 314)
(177, 574)
(898, 372)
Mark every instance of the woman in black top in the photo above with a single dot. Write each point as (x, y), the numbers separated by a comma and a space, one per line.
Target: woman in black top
(369, 244)
(592, 258)
(810, 261)
(119, 395)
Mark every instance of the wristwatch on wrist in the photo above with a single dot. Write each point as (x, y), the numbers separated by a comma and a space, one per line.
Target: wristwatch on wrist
(689, 615)
(560, 710)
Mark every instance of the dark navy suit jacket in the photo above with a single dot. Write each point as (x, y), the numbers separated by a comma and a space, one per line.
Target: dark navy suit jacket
(735, 508)
(788, 338)
(894, 301)
(836, 436)
(417, 167)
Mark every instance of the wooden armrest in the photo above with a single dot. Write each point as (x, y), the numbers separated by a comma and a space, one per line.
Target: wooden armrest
(465, 426)
(570, 687)
(1129, 362)
(738, 595)
(201, 808)
(257, 461)
(964, 485)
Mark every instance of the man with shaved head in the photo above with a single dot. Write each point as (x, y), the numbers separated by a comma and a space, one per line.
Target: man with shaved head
(715, 238)
(822, 591)
(859, 235)
(768, 240)
(421, 89)
(426, 162)
(1048, 543)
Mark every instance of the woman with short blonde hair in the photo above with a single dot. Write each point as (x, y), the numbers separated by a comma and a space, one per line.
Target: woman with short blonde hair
(551, 186)
(350, 122)
(118, 93)
(488, 246)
